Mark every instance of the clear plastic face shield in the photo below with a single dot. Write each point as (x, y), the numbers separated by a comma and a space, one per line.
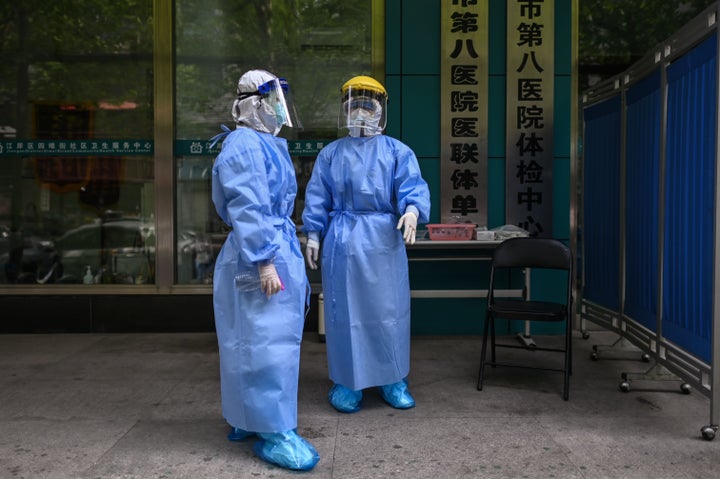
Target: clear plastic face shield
(276, 93)
(363, 112)
(268, 108)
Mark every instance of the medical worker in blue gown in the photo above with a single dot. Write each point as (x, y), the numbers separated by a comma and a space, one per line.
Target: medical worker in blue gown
(365, 196)
(259, 326)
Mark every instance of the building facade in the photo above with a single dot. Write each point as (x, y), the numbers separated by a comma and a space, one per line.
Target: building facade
(106, 115)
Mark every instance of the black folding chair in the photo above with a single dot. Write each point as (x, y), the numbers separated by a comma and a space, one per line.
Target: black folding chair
(534, 253)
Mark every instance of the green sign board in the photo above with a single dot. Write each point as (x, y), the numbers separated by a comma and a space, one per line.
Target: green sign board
(133, 147)
(75, 147)
(202, 147)
(307, 147)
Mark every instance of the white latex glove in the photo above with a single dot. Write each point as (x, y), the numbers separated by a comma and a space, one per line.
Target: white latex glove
(409, 221)
(270, 282)
(311, 252)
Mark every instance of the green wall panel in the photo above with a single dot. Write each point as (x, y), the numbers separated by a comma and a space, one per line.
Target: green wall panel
(563, 37)
(561, 198)
(561, 133)
(496, 149)
(421, 37)
(496, 192)
(430, 168)
(497, 13)
(395, 102)
(496, 113)
(547, 286)
(393, 37)
(456, 316)
(421, 114)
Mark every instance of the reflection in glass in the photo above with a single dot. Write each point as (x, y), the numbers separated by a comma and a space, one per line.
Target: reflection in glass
(77, 194)
(316, 46)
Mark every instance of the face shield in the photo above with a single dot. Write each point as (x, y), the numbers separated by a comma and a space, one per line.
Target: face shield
(363, 111)
(264, 103)
(276, 93)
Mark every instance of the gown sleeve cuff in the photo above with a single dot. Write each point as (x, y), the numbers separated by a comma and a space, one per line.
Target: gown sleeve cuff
(412, 209)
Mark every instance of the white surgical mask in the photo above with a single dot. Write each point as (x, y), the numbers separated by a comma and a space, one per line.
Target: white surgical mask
(364, 122)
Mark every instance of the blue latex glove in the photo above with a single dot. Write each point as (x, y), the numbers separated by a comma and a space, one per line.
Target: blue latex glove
(286, 449)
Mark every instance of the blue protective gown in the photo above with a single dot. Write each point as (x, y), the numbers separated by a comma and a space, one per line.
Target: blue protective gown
(358, 189)
(253, 189)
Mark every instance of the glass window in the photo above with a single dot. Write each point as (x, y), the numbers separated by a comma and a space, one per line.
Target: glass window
(76, 131)
(614, 35)
(316, 46)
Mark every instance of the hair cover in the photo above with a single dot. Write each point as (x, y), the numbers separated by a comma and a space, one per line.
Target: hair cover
(252, 111)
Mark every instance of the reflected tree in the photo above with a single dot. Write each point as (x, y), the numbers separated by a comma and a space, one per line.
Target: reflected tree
(93, 51)
(315, 44)
(80, 52)
(614, 33)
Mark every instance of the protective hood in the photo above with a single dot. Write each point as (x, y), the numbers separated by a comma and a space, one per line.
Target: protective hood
(264, 103)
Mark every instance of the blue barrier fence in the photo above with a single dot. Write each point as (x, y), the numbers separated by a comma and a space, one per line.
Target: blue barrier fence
(650, 207)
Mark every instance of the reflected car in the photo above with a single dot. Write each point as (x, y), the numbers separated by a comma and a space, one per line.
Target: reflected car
(29, 260)
(111, 251)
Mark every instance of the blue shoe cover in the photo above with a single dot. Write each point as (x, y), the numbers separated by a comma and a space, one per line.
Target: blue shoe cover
(397, 395)
(237, 434)
(344, 399)
(286, 449)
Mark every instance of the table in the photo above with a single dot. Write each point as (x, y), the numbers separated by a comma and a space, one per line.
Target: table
(471, 250)
(449, 251)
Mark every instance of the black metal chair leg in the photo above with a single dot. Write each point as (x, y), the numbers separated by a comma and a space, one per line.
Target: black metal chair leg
(492, 340)
(483, 353)
(568, 361)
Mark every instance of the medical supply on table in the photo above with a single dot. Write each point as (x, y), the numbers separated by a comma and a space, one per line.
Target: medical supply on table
(483, 234)
(509, 231)
(451, 232)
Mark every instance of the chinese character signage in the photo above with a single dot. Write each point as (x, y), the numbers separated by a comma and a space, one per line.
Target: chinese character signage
(75, 147)
(306, 147)
(202, 147)
(463, 114)
(529, 130)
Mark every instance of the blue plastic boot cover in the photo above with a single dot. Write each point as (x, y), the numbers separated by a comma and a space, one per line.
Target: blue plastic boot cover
(344, 399)
(397, 395)
(237, 434)
(286, 449)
